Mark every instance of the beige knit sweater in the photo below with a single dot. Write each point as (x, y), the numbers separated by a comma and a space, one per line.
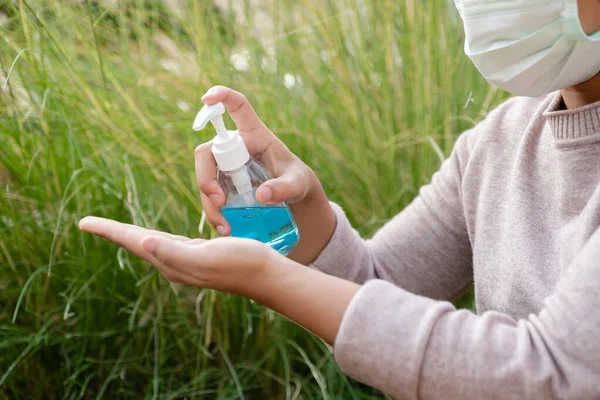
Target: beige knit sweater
(514, 210)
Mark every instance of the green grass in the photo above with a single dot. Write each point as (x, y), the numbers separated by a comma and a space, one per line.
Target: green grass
(95, 118)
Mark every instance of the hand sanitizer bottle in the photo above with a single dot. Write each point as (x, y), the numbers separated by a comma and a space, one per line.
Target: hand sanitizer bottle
(239, 176)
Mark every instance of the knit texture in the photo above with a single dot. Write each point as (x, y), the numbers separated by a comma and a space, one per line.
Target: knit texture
(515, 211)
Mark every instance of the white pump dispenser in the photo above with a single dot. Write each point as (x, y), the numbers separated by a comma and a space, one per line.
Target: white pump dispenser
(228, 149)
(240, 176)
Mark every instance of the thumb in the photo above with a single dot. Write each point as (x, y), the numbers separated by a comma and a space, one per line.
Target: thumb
(292, 186)
(171, 253)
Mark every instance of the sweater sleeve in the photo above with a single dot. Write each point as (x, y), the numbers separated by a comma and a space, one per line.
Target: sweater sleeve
(425, 249)
(414, 347)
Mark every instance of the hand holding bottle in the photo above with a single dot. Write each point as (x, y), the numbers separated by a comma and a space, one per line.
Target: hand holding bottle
(293, 181)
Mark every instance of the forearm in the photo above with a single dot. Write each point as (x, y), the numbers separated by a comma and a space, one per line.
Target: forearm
(310, 298)
(316, 222)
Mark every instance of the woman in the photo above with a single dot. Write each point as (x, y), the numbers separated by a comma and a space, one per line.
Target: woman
(514, 210)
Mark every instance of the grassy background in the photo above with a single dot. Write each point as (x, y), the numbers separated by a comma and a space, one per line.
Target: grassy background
(96, 105)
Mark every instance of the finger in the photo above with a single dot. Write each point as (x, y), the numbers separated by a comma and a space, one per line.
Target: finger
(172, 274)
(291, 186)
(237, 105)
(125, 235)
(101, 225)
(206, 174)
(172, 254)
(215, 217)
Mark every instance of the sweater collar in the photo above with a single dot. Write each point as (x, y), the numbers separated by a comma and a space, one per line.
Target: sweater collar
(574, 123)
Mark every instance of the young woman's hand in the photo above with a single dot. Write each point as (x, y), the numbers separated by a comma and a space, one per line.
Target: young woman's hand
(293, 181)
(227, 264)
(239, 266)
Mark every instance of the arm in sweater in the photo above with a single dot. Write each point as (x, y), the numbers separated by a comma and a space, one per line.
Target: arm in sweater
(439, 352)
(425, 249)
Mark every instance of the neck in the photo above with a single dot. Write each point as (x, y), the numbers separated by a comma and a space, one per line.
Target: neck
(585, 93)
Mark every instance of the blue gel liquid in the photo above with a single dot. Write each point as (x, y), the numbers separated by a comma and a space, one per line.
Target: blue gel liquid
(273, 226)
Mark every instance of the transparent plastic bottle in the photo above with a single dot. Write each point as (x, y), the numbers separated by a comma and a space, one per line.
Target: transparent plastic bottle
(271, 224)
(239, 176)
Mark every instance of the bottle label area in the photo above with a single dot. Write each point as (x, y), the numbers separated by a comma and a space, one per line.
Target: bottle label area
(281, 231)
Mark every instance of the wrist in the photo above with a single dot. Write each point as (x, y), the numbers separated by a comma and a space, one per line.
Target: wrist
(308, 297)
(315, 192)
(268, 277)
(259, 264)
(316, 222)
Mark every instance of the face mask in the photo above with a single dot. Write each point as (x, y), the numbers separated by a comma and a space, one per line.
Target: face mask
(529, 47)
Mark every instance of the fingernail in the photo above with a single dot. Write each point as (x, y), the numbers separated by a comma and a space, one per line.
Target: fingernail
(83, 222)
(266, 194)
(221, 230)
(210, 92)
(215, 198)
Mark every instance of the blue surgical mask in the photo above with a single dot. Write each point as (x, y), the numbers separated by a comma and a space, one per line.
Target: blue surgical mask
(529, 47)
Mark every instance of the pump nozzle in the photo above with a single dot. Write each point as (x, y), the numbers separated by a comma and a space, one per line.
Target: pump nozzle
(214, 114)
(228, 148)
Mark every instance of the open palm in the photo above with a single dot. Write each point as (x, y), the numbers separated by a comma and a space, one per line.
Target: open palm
(226, 264)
